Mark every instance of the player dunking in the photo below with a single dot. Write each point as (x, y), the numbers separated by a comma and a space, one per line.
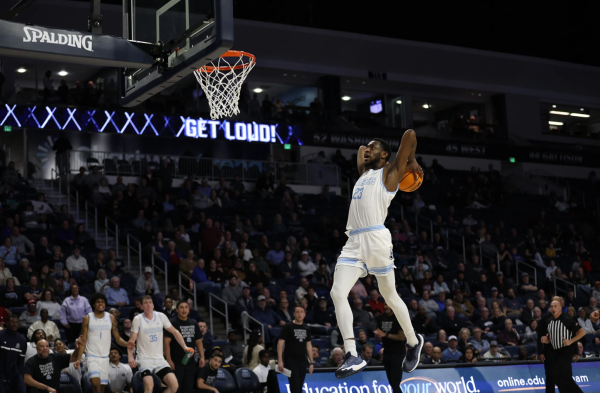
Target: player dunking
(369, 247)
(147, 329)
(96, 330)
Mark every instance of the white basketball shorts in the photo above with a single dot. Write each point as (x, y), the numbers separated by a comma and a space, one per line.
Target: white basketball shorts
(152, 364)
(370, 249)
(97, 368)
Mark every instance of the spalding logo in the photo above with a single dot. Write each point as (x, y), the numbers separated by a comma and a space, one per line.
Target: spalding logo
(74, 40)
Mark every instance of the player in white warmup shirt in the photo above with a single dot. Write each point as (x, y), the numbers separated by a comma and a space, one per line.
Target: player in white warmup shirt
(96, 329)
(369, 246)
(147, 330)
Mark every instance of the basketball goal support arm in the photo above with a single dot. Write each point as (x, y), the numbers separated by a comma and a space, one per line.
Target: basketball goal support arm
(43, 43)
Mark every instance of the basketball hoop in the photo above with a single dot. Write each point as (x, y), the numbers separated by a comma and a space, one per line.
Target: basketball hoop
(221, 80)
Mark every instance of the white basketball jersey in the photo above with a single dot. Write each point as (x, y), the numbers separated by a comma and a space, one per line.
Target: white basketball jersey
(370, 201)
(150, 334)
(99, 335)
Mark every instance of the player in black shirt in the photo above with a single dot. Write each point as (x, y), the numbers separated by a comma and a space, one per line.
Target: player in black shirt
(394, 346)
(42, 371)
(174, 353)
(295, 337)
(563, 334)
(205, 376)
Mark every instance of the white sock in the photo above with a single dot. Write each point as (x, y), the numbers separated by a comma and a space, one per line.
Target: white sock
(350, 346)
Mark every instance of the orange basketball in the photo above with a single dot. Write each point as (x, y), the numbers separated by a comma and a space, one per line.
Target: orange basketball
(410, 182)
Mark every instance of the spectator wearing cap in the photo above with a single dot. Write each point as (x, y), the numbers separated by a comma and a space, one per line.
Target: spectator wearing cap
(495, 297)
(493, 353)
(78, 266)
(146, 284)
(115, 295)
(266, 315)
(234, 348)
(27, 318)
(305, 266)
(451, 353)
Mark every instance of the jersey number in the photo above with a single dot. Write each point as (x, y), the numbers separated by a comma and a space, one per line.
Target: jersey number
(358, 193)
(153, 338)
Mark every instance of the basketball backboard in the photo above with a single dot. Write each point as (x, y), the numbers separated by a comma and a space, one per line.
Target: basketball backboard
(181, 35)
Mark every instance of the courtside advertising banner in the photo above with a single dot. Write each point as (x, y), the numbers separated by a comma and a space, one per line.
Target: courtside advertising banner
(490, 379)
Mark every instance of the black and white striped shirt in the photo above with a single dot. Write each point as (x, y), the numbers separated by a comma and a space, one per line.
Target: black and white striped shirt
(562, 327)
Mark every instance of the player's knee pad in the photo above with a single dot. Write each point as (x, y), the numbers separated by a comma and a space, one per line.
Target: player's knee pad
(146, 373)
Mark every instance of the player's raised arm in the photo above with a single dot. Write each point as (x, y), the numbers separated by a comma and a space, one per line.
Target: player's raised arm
(405, 160)
(360, 160)
(115, 332)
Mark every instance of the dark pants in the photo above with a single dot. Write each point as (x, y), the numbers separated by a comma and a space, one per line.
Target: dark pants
(563, 371)
(185, 376)
(549, 363)
(15, 384)
(73, 332)
(298, 369)
(393, 369)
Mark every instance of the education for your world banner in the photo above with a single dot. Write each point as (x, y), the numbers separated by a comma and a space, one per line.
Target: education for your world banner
(488, 379)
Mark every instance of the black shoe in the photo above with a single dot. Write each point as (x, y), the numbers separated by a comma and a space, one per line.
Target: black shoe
(413, 354)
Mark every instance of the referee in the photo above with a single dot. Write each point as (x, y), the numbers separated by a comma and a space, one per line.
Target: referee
(544, 349)
(563, 332)
(295, 337)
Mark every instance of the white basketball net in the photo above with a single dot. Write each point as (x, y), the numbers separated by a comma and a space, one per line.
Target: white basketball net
(221, 80)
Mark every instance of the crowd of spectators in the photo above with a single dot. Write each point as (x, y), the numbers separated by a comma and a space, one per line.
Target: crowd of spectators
(264, 249)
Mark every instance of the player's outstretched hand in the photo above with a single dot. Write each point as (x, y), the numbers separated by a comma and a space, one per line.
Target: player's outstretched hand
(76, 365)
(132, 363)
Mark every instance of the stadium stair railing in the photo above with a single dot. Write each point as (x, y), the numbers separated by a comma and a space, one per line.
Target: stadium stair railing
(246, 319)
(566, 284)
(164, 270)
(491, 259)
(133, 244)
(215, 308)
(520, 271)
(191, 291)
(457, 240)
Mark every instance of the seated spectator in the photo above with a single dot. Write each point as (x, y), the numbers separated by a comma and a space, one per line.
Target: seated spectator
(530, 337)
(102, 282)
(115, 295)
(450, 323)
(168, 307)
(441, 301)
(57, 263)
(33, 290)
(288, 268)
(78, 266)
(367, 355)
(5, 274)
(46, 325)
(24, 271)
(276, 255)
(66, 236)
(83, 238)
(512, 305)
(263, 368)
(11, 296)
(9, 253)
(468, 356)
(440, 286)
(480, 344)
(245, 301)
(509, 336)
(590, 308)
(336, 359)
(430, 305)
(48, 302)
(376, 303)
(232, 291)
(463, 339)
(426, 353)
(266, 315)
(363, 317)
(584, 321)
(119, 374)
(27, 318)
(493, 353)
(215, 273)
(187, 264)
(451, 353)
(436, 357)
(22, 243)
(42, 371)
(146, 284)
(305, 266)
(200, 279)
(250, 357)
(46, 279)
(422, 323)
(525, 288)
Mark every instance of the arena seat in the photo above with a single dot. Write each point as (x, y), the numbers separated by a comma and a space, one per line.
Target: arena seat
(219, 343)
(17, 310)
(86, 386)
(512, 350)
(224, 382)
(246, 380)
(322, 343)
(68, 379)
